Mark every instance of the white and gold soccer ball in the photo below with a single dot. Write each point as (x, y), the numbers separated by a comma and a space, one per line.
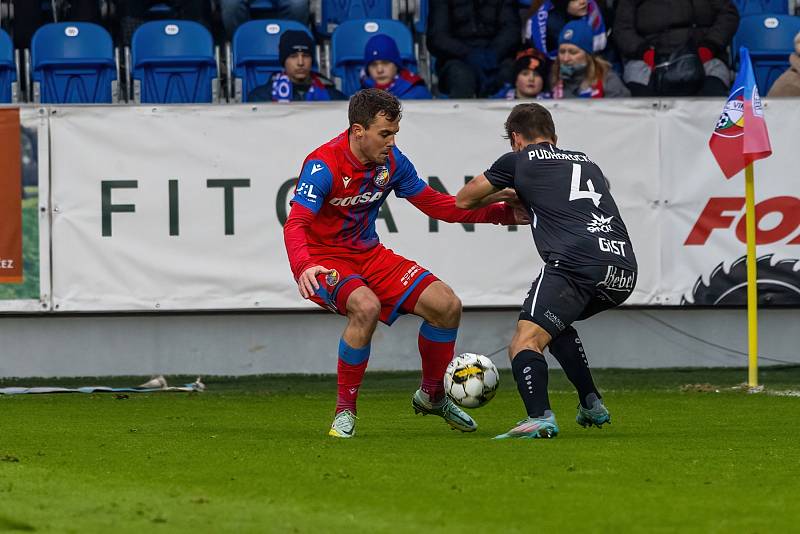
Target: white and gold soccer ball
(471, 380)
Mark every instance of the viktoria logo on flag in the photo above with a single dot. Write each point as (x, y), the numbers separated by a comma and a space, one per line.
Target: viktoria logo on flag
(731, 121)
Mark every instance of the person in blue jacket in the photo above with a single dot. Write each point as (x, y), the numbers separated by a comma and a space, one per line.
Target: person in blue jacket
(383, 69)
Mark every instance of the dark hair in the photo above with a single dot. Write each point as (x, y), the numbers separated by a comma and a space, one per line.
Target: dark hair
(530, 120)
(367, 104)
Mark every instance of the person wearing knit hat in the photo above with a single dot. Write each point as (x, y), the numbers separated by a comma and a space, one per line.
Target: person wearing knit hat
(579, 73)
(529, 77)
(788, 83)
(383, 69)
(297, 82)
(577, 33)
(295, 42)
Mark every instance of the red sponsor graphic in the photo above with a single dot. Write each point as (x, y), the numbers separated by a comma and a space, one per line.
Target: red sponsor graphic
(10, 198)
(720, 213)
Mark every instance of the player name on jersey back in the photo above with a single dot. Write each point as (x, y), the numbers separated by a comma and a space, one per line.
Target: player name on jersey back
(547, 154)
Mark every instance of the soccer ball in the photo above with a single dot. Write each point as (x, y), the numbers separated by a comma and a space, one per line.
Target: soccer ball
(471, 380)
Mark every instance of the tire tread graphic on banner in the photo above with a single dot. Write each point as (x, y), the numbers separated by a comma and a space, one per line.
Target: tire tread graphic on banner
(778, 284)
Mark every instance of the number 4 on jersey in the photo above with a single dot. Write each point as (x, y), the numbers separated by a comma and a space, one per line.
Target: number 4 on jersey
(575, 191)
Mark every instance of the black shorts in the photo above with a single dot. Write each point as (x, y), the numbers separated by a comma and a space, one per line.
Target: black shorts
(561, 295)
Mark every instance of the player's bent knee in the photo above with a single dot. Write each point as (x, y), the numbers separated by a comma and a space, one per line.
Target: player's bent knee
(363, 306)
(529, 336)
(439, 305)
(451, 308)
(448, 309)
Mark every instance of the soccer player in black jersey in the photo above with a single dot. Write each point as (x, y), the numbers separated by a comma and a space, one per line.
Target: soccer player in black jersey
(589, 262)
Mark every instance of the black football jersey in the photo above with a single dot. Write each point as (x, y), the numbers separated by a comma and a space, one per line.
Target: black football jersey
(574, 219)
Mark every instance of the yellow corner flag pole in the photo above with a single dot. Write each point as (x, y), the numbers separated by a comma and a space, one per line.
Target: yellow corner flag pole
(752, 278)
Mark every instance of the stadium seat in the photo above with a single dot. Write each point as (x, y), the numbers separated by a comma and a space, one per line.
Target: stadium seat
(73, 63)
(420, 15)
(253, 55)
(769, 38)
(173, 62)
(760, 7)
(328, 14)
(8, 70)
(349, 40)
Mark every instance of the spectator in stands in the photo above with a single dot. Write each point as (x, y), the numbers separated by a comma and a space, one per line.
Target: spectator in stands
(544, 25)
(29, 16)
(788, 84)
(579, 73)
(297, 82)
(654, 32)
(132, 13)
(384, 70)
(474, 42)
(236, 12)
(530, 76)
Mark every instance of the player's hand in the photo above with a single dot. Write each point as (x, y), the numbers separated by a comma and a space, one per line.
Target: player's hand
(521, 216)
(507, 195)
(307, 283)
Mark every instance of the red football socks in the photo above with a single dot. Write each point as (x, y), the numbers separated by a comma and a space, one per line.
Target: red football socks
(436, 346)
(350, 372)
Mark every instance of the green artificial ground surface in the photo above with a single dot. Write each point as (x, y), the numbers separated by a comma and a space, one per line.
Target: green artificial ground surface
(252, 455)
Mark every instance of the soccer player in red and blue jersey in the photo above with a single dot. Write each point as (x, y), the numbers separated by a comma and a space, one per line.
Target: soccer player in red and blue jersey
(340, 264)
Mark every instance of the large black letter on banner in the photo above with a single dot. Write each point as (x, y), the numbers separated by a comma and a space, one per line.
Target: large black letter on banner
(107, 208)
(228, 184)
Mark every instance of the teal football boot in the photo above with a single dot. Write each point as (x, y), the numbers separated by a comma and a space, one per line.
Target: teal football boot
(446, 409)
(597, 415)
(533, 428)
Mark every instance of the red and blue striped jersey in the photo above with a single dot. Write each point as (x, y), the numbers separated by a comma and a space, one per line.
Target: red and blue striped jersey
(346, 195)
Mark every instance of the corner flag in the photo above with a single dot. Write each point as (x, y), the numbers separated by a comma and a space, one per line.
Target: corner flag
(740, 137)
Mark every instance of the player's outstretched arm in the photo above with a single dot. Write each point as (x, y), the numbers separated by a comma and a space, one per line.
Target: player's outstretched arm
(305, 271)
(443, 207)
(480, 192)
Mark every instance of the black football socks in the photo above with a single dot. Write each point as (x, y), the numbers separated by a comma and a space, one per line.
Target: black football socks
(530, 372)
(568, 350)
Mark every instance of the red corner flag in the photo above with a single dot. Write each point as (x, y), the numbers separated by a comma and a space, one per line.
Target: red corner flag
(741, 137)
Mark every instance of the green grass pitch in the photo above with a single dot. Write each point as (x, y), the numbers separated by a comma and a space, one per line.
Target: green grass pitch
(252, 455)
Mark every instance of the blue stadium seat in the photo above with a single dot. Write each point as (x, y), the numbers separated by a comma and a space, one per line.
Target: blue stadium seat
(73, 63)
(254, 55)
(349, 40)
(330, 13)
(760, 7)
(769, 38)
(420, 16)
(173, 62)
(8, 69)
